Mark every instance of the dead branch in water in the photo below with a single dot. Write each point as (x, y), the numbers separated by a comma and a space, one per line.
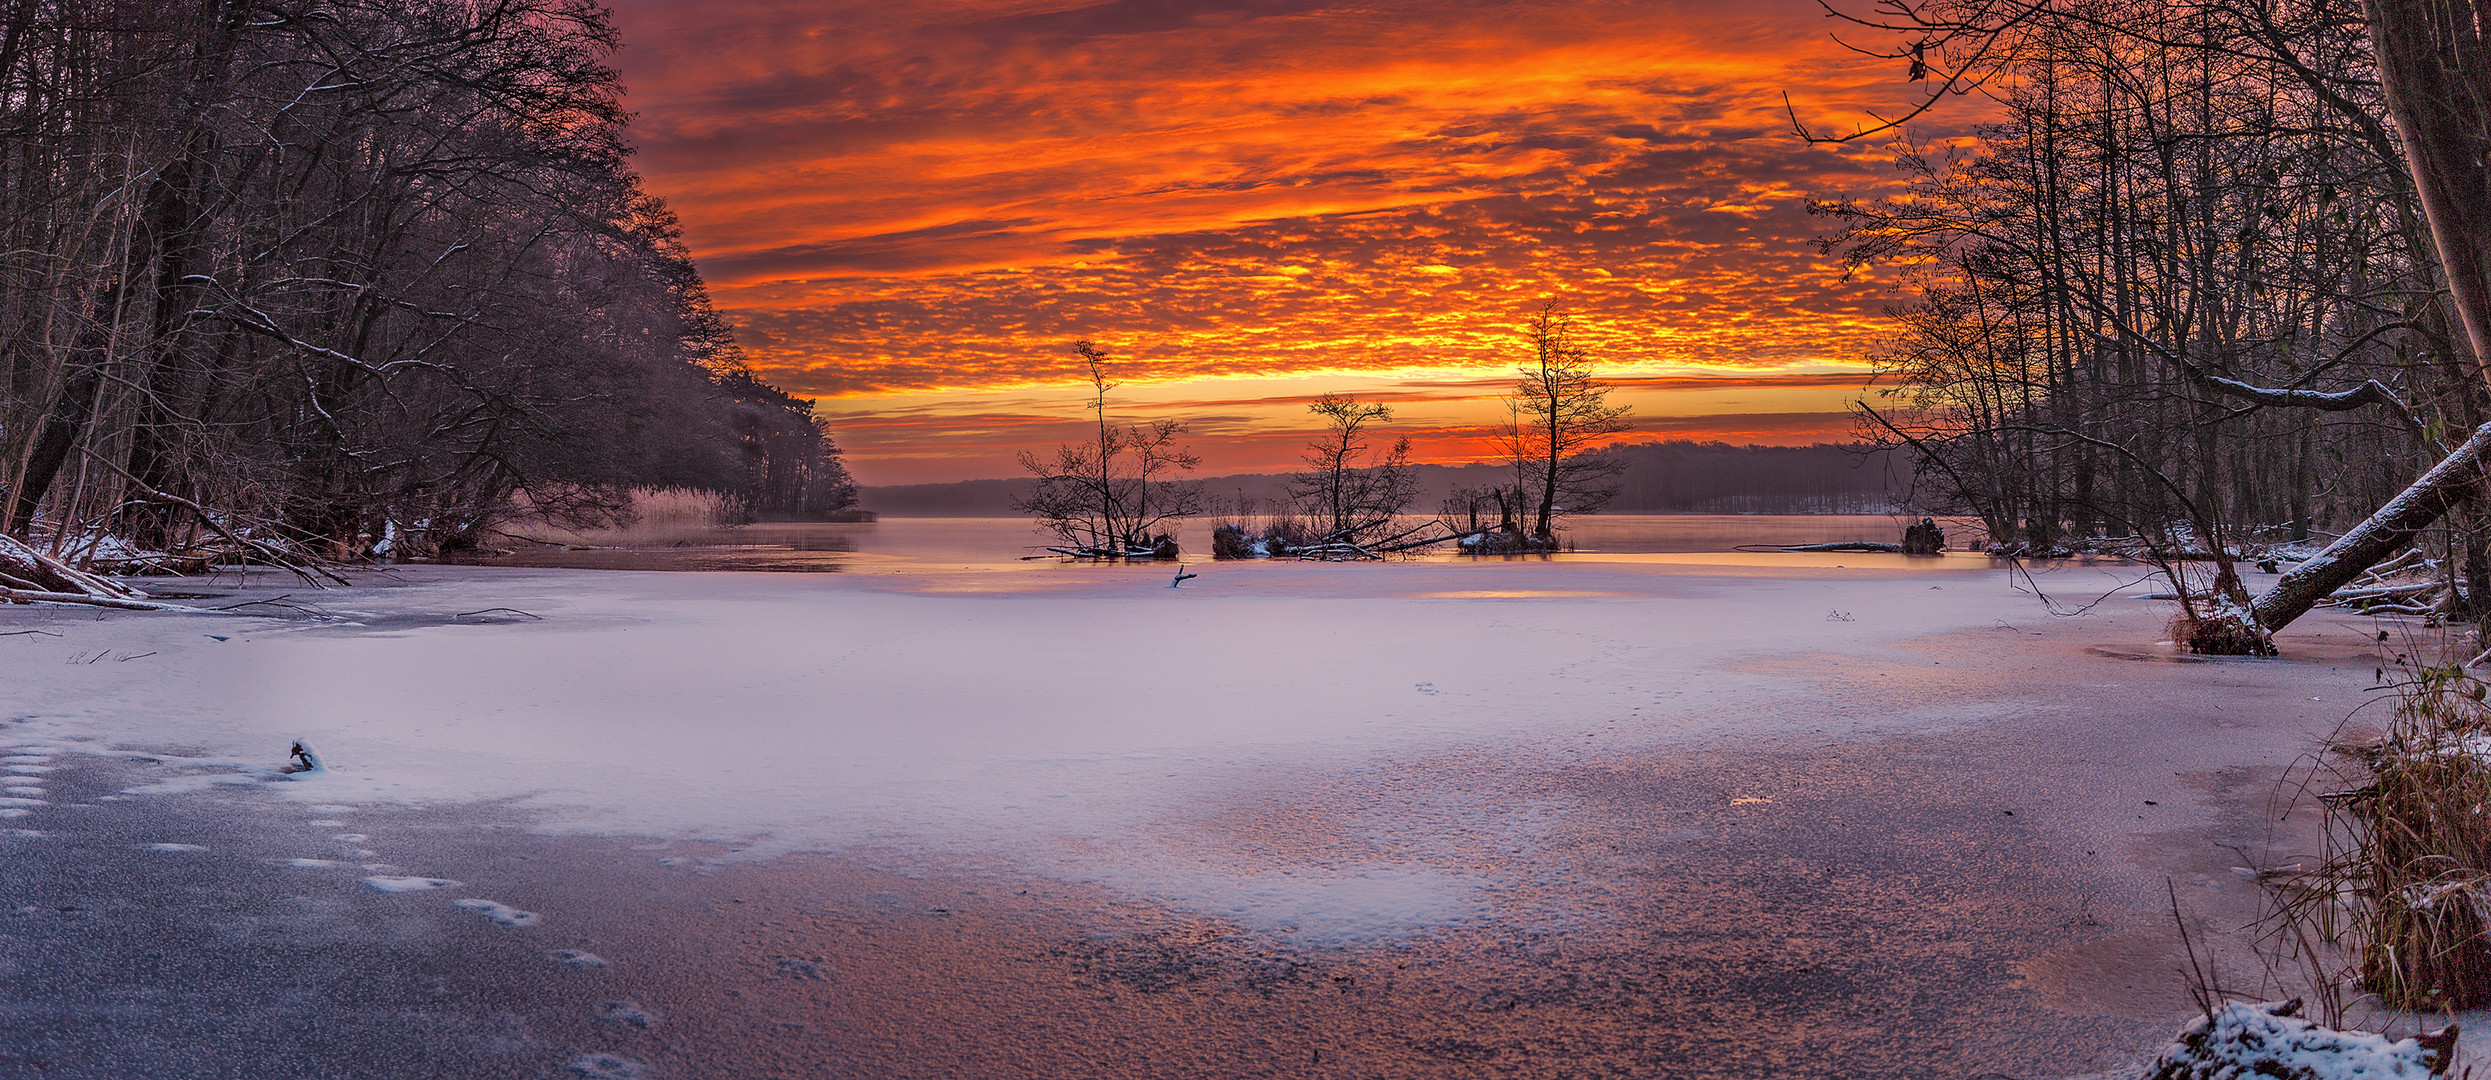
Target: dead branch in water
(22, 596)
(309, 570)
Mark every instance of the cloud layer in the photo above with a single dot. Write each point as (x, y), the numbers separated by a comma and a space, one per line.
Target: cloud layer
(896, 200)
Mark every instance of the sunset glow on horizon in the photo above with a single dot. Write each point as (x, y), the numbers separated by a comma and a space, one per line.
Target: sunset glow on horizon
(912, 211)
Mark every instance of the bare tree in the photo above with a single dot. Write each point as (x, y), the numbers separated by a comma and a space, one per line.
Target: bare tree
(333, 268)
(1559, 421)
(1113, 498)
(2434, 64)
(1351, 492)
(2219, 271)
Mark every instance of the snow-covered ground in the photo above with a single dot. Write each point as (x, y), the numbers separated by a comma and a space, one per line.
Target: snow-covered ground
(1052, 717)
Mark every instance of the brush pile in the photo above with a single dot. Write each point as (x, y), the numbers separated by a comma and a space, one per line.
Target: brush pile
(28, 575)
(2405, 585)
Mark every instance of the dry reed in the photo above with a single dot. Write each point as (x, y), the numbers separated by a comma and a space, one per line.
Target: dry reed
(657, 517)
(2404, 891)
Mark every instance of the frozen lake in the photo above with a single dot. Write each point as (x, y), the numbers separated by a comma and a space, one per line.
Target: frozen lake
(1649, 812)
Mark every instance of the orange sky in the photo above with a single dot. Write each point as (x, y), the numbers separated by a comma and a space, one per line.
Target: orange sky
(912, 209)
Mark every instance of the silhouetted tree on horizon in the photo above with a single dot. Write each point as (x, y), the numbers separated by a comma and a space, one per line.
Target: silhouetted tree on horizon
(1111, 498)
(1558, 422)
(1348, 490)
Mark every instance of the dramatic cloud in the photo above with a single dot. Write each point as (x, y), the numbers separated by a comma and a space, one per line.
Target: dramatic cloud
(900, 201)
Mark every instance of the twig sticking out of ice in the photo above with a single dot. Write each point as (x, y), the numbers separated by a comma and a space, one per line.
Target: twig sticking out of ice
(409, 884)
(304, 758)
(175, 847)
(2241, 1040)
(500, 913)
(604, 1067)
(576, 958)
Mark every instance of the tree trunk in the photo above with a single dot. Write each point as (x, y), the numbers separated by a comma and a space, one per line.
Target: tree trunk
(68, 419)
(2435, 65)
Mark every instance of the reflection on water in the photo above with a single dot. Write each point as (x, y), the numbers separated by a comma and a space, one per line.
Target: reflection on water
(940, 543)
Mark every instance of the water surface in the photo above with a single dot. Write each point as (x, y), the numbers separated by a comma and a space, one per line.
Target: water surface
(923, 543)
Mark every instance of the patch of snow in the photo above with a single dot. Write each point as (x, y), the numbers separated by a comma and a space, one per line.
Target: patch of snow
(175, 847)
(605, 1067)
(498, 912)
(410, 884)
(576, 958)
(2242, 1040)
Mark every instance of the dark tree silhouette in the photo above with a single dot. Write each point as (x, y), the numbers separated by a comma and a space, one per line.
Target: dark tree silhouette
(1353, 493)
(1558, 423)
(1113, 498)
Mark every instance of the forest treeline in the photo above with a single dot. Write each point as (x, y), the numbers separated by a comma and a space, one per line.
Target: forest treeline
(1670, 477)
(324, 272)
(2186, 287)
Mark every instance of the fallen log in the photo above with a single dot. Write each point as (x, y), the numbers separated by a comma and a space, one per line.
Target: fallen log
(1396, 542)
(2346, 596)
(25, 596)
(2396, 609)
(2457, 478)
(32, 569)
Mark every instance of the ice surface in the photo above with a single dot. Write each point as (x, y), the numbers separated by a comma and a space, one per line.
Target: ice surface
(410, 884)
(498, 912)
(1069, 721)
